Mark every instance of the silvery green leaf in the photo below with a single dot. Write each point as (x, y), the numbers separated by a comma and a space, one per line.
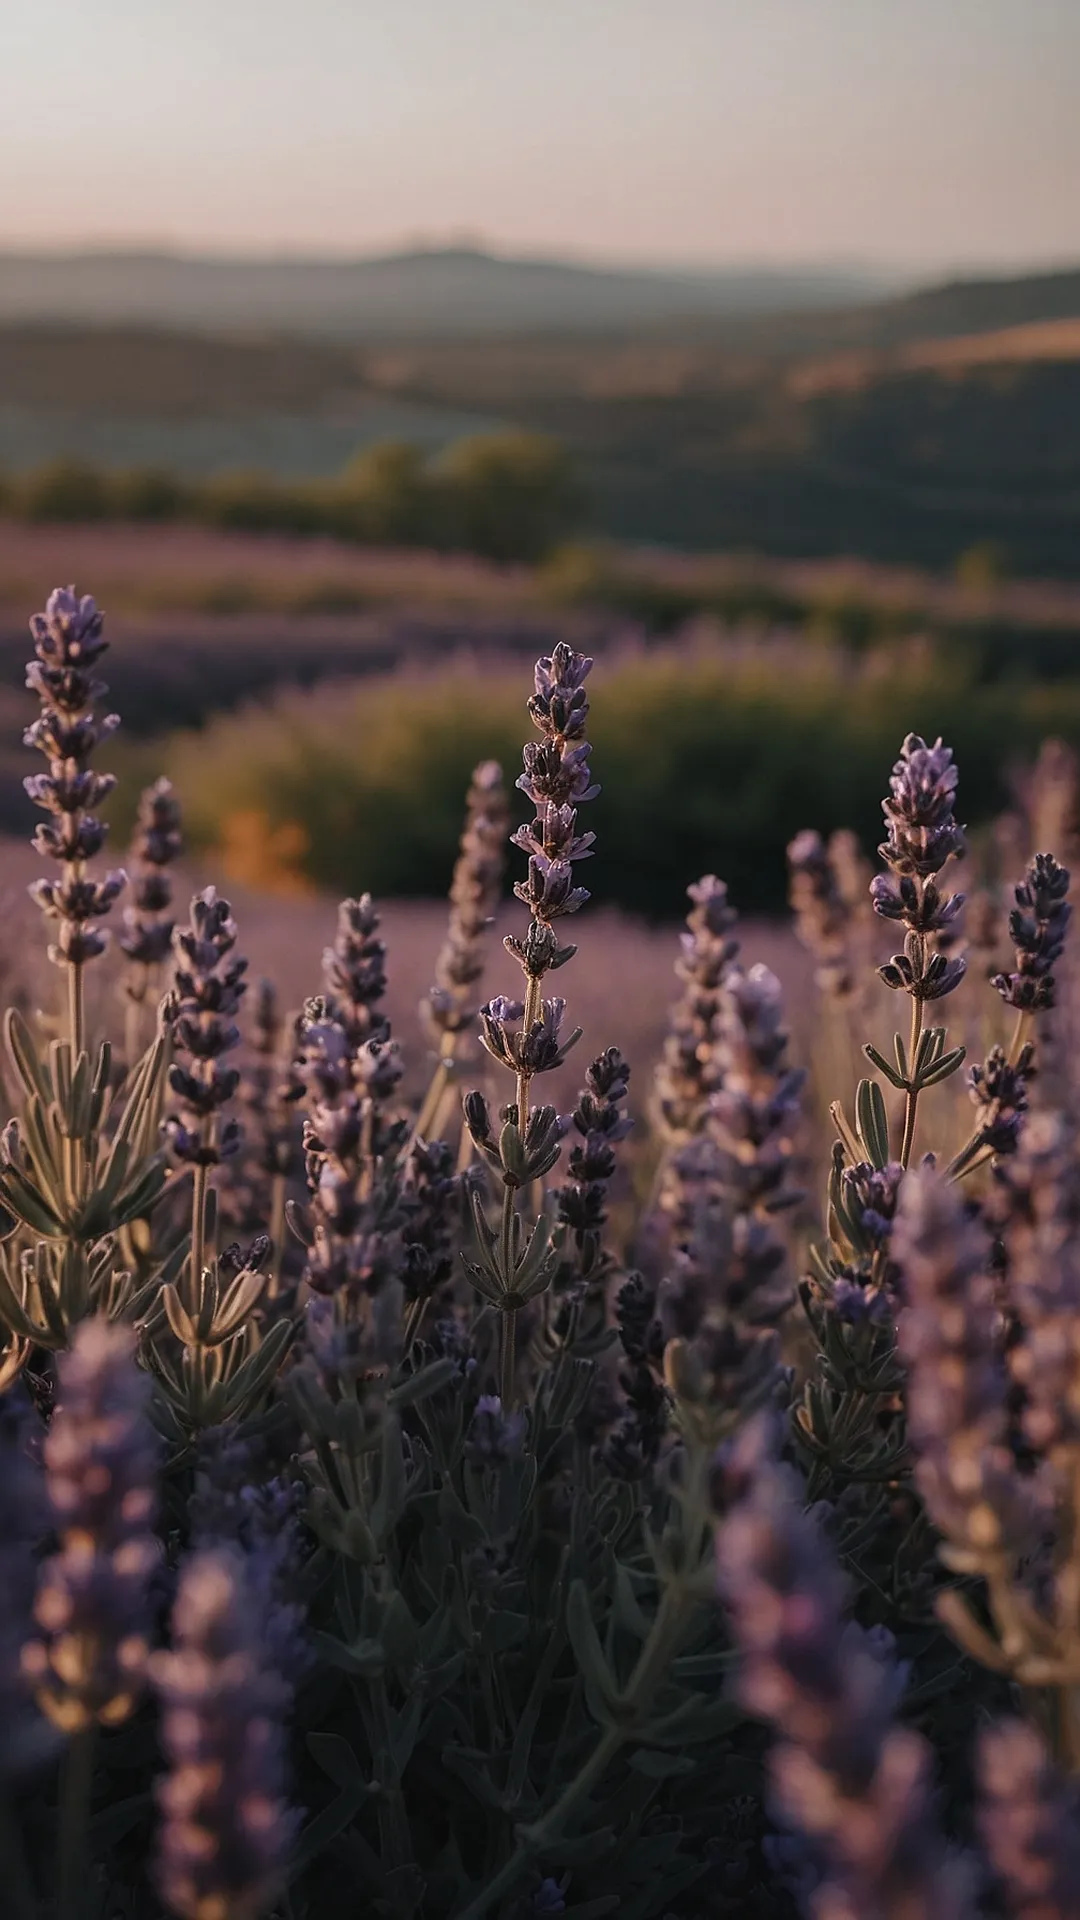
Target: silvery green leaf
(178, 1317)
(873, 1122)
(484, 1283)
(77, 1106)
(30, 1205)
(941, 1069)
(237, 1303)
(600, 1684)
(24, 1057)
(892, 1074)
(850, 1139)
(419, 1386)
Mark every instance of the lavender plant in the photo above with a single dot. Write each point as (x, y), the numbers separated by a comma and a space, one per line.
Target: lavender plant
(147, 937)
(93, 1612)
(67, 645)
(412, 1522)
(226, 1827)
(526, 1037)
(856, 1786)
(451, 1006)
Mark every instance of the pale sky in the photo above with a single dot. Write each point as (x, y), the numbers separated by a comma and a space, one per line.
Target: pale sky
(907, 132)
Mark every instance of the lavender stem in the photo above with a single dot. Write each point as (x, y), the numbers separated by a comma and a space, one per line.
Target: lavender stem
(75, 1008)
(74, 1821)
(199, 1186)
(19, 1885)
(911, 1102)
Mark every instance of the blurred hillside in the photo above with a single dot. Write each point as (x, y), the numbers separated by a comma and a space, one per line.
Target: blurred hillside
(421, 292)
(915, 429)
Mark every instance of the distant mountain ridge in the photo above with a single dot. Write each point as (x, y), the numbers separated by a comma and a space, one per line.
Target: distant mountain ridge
(447, 291)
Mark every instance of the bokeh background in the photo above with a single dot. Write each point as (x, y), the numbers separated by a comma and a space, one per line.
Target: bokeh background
(352, 355)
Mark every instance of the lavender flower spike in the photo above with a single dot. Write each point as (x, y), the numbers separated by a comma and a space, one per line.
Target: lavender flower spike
(1037, 928)
(854, 1784)
(209, 986)
(922, 836)
(1030, 1824)
(93, 1604)
(227, 1829)
(147, 940)
(68, 643)
(957, 1388)
(474, 897)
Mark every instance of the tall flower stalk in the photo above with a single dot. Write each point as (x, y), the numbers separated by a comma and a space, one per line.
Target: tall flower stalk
(209, 980)
(450, 1007)
(727, 1286)
(349, 1068)
(526, 1037)
(68, 643)
(1029, 1820)
(858, 1787)
(922, 836)
(148, 926)
(88, 1663)
(227, 1828)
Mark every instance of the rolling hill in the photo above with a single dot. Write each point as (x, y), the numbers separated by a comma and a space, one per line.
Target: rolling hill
(421, 293)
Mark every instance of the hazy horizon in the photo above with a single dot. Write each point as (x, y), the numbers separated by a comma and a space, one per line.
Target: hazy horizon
(699, 136)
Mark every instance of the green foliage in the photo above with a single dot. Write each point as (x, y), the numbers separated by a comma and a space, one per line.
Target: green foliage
(508, 496)
(708, 764)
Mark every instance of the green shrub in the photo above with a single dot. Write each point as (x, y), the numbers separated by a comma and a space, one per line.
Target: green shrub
(63, 490)
(708, 765)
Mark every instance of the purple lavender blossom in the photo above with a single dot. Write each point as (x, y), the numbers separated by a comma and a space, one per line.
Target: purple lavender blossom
(227, 1829)
(999, 1092)
(209, 988)
(432, 1197)
(821, 911)
(1037, 927)
(147, 939)
(633, 1444)
(726, 1288)
(493, 1436)
(68, 643)
(957, 1397)
(238, 1501)
(922, 836)
(93, 1607)
(600, 1123)
(858, 1787)
(354, 969)
(1039, 1205)
(474, 897)
(1029, 1821)
(688, 1072)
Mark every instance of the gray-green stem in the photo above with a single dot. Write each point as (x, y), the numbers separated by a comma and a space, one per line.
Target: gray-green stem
(432, 1100)
(199, 1188)
(507, 1320)
(78, 1778)
(76, 1018)
(911, 1102)
(278, 1198)
(19, 1887)
(507, 1358)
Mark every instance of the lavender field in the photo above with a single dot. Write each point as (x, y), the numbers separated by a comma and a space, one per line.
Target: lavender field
(509, 1407)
